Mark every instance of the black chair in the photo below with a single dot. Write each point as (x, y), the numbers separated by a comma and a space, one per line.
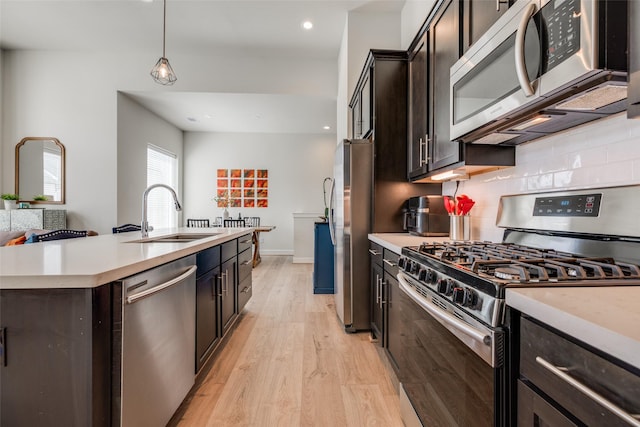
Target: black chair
(234, 223)
(57, 235)
(125, 228)
(252, 221)
(197, 223)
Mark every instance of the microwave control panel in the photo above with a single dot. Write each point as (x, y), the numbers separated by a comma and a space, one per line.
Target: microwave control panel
(561, 35)
(580, 205)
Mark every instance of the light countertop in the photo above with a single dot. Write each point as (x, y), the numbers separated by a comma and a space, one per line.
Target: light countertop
(606, 318)
(88, 262)
(396, 241)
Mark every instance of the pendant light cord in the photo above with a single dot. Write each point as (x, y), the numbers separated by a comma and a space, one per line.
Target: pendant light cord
(164, 26)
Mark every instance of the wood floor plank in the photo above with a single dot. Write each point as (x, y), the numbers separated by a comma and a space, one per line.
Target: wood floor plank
(289, 362)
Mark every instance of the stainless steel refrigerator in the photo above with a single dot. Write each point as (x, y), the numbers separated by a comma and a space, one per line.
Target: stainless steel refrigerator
(350, 222)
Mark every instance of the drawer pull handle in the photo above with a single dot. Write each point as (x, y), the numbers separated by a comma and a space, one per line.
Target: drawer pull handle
(560, 373)
(245, 241)
(245, 262)
(374, 252)
(389, 263)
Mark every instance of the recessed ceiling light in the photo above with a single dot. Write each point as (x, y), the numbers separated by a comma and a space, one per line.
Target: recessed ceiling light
(208, 116)
(192, 119)
(307, 25)
(326, 127)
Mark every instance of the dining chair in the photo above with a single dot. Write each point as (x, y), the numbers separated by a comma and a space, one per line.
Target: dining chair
(125, 228)
(234, 223)
(197, 223)
(252, 221)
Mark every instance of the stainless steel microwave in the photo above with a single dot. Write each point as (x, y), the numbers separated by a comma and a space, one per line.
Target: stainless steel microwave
(537, 56)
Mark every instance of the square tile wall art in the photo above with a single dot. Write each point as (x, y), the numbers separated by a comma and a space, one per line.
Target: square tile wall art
(248, 188)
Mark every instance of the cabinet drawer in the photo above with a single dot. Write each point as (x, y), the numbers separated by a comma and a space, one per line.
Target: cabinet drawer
(543, 351)
(390, 262)
(244, 264)
(207, 259)
(244, 292)
(244, 242)
(375, 250)
(229, 250)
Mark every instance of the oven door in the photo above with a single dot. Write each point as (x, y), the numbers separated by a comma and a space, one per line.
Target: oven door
(451, 371)
(499, 73)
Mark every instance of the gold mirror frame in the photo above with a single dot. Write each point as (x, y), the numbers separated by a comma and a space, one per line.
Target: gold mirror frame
(62, 170)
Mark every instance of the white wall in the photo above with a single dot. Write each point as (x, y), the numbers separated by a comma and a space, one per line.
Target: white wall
(363, 31)
(73, 96)
(414, 13)
(297, 166)
(138, 127)
(601, 154)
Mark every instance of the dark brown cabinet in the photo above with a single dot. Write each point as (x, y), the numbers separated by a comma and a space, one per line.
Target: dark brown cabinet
(227, 293)
(207, 290)
(478, 16)
(444, 51)
(245, 266)
(377, 293)
(418, 103)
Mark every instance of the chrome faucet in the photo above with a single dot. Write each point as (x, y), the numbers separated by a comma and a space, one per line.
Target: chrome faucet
(144, 226)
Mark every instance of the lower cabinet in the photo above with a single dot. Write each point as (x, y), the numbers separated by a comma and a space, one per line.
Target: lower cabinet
(384, 268)
(207, 290)
(55, 357)
(223, 287)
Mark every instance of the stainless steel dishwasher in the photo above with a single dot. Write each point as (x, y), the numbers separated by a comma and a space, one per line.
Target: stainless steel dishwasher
(155, 324)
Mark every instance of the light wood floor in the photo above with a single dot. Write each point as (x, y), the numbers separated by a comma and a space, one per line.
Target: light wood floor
(289, 363)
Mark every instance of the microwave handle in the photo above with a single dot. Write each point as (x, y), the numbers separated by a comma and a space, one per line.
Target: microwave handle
(521, 66)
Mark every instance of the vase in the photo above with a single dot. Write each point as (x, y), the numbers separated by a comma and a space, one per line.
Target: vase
(10, 204)
(225, 214)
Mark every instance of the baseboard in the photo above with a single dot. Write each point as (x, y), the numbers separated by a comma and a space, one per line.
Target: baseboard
(302, 260)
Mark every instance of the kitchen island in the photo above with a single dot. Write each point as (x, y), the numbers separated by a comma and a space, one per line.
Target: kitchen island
(63, 317)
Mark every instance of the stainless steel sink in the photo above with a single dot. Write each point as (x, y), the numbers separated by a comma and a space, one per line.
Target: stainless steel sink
(175, 238)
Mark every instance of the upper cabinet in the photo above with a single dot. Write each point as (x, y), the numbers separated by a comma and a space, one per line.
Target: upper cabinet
(418, 107)
(361, 108)
(478, 16)
(444, 51)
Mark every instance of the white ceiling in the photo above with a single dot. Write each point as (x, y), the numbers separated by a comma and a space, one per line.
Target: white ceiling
(240, 26)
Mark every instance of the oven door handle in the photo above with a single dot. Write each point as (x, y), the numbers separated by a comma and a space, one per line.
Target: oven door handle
(559, 372)
(447, 318)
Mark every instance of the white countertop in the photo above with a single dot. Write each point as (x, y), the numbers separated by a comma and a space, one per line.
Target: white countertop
(606, 318)
(396, 241)
(88, 262)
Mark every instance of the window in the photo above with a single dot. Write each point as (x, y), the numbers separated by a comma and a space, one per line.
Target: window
(162, 168)
(52, 165)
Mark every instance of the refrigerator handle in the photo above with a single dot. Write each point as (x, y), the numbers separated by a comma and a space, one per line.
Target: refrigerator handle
(332, 230)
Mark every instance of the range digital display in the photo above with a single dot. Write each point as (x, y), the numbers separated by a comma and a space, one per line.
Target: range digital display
(583, 205)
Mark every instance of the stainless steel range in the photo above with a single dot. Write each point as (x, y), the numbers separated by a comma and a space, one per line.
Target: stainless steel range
(452, 295)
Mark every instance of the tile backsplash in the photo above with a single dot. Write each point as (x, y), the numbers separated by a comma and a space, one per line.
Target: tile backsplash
(602, 154)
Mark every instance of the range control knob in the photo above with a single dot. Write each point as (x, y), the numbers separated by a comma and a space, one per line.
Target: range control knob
(445, 286)
(465, 297)
(422, 273)
(407, 265)
(414, 267)
(402, 262)
(432, 276)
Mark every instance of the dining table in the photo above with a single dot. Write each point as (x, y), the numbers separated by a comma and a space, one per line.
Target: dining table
(256, 241)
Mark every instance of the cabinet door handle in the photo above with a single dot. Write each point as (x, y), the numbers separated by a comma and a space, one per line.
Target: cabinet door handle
(560, 372)
(3, 346)
(225, 281)
(381, 292)
(389, 263)
(221, 278)
(377, 289)
(420, 151)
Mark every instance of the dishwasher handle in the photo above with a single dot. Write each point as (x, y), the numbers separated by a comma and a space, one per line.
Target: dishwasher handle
(131, 299)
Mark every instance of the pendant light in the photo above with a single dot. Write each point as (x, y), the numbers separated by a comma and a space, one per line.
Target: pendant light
(162, 72)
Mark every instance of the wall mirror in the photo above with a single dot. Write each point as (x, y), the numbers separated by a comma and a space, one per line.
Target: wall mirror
(40, 170)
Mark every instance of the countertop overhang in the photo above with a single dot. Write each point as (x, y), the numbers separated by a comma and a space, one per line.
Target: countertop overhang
(89, 262)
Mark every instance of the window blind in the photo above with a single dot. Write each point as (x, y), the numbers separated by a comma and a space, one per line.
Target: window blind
(162, 168)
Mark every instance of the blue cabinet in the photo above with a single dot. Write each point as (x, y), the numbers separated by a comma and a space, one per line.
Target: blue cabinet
(322, 259)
